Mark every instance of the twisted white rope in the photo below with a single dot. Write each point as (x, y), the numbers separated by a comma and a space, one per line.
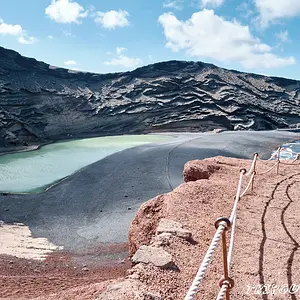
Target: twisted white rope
(233, 221)
(214, 244)
(252, 165)
(237, 197)
(248, 186)
(217, 237)
(206, 261)
(276, 153)
(222, 291)
(291, 164)
(231, 245)
(293, 161)
(269, 169)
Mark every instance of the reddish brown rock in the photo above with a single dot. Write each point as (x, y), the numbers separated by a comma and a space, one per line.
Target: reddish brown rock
(153, 255)
(198, 169)
(197, 204)
(143, 226)
(128, 289)
(173, 227)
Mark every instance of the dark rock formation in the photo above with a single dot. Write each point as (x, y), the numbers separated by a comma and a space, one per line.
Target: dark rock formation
(39, 102)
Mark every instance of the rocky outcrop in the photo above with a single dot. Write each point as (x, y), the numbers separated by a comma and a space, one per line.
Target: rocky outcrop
(154, 255)
(39, 102)
(129, 289)
(196, 169)
(173, 227)
(194, 206)
(143, 226)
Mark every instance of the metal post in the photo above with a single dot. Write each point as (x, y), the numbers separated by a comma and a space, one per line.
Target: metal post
(225, 261)
(252, 185)
(254, 171)
(278, 160)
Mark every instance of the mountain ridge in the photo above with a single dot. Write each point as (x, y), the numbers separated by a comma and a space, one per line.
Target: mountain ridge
(41, 103)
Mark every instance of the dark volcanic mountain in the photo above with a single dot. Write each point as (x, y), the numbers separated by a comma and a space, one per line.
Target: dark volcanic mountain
(39, 102)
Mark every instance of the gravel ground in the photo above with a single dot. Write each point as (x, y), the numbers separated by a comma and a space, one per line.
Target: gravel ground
(266, 245)
(60, 276)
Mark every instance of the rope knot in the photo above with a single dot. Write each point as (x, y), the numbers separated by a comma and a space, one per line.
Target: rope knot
(229, 281)
(224, 220)
(243, 171)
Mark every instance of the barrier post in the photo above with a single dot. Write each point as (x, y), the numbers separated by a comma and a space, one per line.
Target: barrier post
(278, 160)
(222, 225)
(225, 280)
(254, 171)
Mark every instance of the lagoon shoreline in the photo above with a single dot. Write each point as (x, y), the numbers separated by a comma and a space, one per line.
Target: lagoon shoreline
(140, 173)
(96, 205)
(33, 147)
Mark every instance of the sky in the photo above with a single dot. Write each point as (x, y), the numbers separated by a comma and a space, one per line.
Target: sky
(257, 36)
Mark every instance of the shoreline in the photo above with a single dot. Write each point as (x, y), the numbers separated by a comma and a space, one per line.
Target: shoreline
(144, 172)
(86, 210)
(27, 149)
(46, 187)
(12, 150)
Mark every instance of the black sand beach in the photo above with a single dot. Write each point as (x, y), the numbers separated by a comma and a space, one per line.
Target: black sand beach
(96, 205)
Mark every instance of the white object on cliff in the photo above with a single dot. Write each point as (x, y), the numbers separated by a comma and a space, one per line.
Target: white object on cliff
(173, 227)
(154, 255)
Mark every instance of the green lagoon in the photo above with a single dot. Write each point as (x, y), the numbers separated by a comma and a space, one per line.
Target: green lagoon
(35, 171)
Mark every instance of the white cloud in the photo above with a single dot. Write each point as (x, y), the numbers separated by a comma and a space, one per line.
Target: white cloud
(283, 36)
(65, 11)
(8, 29)
(124, 61)
(112, 19)
(207, 35)
(119, 50)
(68, 33)
(70, 62)
(271, 10)
(50, 37)
(17, 31)
(176, 4)
(211, 3)
(245, 9)
(26, 40)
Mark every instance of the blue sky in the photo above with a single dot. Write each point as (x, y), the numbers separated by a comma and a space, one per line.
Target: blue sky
(258, 36)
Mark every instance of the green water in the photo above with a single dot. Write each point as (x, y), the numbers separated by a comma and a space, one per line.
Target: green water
(35, 171)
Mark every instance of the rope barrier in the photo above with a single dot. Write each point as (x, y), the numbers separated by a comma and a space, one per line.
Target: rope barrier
(277, 163)
(292, 164)
(249, 184)
(252, 165)
(222, 225)
(293, 161)
(223, 291)
(237, 197)
(206, 261)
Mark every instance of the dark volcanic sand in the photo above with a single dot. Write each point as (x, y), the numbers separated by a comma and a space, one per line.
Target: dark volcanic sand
(96, 205)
